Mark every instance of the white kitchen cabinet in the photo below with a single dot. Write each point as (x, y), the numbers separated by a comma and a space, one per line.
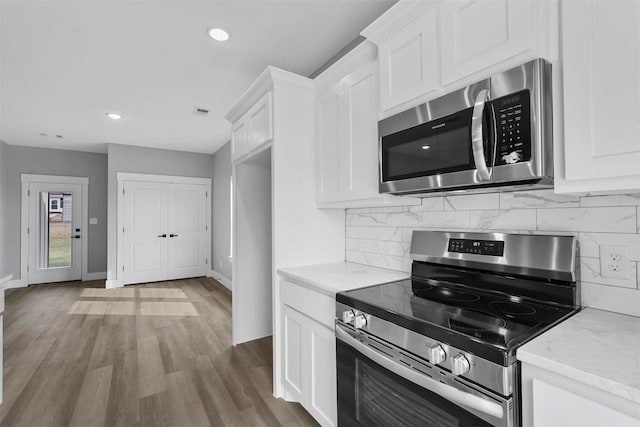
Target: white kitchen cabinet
(309, 351)
(347, 133)
(553, 400)
(475, 35)
(601, 83)
(260, 123)
(556, 407)
(239, 138)
(429, 48)
(409, 61)
(292, 351)
(254, 129)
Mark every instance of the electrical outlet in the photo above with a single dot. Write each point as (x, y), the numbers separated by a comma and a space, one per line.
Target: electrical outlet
(614, 261)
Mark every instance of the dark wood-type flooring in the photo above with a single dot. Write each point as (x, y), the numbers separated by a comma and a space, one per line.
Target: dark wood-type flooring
(135, 369)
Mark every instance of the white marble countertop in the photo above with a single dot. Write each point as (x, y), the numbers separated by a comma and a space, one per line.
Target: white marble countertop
(598, 348)
(340, 276)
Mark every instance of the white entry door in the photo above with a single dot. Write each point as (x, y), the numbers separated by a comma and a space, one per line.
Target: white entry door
(164, 231)
(54, 233)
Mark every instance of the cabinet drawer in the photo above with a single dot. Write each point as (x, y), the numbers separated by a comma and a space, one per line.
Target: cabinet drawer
(315, 305)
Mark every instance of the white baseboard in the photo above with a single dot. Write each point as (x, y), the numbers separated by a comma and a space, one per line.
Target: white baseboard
(110, 284)
(96, 276)
(220, 278)
(16, 283)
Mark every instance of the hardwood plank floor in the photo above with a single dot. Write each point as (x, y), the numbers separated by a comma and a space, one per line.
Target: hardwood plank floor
(77, 355)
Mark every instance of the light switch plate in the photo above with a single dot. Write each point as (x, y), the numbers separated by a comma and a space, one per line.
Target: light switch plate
(614, 261)
(93, 221)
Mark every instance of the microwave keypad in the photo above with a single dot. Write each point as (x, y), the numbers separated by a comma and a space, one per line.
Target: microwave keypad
(513, 128)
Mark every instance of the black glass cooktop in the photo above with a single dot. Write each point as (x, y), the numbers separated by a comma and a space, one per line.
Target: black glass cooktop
(492, 325)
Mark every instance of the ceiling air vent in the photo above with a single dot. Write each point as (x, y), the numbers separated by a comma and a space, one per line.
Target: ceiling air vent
(200, 111)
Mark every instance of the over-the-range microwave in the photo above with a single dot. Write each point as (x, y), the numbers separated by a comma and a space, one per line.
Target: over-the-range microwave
(493, 133)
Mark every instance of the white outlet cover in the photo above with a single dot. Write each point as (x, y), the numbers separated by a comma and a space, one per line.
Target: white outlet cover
(93, 221)
(614, 261)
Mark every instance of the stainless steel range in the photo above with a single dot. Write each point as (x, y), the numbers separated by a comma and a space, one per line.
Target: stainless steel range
(439, 349)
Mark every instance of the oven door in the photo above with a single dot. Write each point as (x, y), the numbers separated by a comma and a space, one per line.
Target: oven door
(376, 389)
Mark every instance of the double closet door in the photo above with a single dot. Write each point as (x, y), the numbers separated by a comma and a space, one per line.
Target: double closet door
(165, 231)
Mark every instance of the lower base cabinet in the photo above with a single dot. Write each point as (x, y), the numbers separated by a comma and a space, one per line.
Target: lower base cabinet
(309, 355)
(551, 400)
(309, 369)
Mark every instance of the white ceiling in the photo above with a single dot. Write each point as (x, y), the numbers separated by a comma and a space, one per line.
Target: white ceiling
(64, 64)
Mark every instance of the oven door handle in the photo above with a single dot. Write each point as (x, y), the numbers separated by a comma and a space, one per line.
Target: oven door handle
(477, 135)
(450, 393)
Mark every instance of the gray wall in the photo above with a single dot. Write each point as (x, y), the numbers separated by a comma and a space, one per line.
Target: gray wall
(18, 160)
(221, 227)
(3, 203)
(125, 158)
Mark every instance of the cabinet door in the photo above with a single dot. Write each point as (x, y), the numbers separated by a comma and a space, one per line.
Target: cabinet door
(239, 141)
(259, 119)
(601, 81)
(328, 142)
(293, 376)
(409, 61)
(478, 34)
(556, 407)
(359, 159)
(321, 383)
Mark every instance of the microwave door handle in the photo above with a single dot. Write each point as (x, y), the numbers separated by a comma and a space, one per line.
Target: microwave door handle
(454, 395)
(477, 135)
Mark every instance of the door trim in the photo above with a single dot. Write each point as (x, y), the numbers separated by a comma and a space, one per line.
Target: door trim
(26, 180)
(121, 177)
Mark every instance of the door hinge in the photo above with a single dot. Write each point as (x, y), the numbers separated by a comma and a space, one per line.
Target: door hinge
(28, 192)
(123, 191)
(123, 229)
(206, 260)
(27, 268)
(206, 228)
(123, 268)
(27, 230)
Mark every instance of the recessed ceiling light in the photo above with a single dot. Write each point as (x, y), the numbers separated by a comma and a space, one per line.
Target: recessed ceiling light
(114, 116)
(426, 147)
(219, 34)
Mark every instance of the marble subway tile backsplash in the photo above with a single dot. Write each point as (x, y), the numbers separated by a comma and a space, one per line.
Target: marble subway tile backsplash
(381, 236)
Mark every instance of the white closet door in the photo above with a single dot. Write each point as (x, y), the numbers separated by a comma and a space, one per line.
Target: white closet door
(187, 228)
(145, 235)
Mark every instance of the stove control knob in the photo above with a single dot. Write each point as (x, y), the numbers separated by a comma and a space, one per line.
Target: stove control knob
(359, 321)
(460, 365)
(347, 316)
(436, 354)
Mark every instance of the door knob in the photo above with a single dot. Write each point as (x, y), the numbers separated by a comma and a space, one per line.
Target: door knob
(173, 235)
(162, 235)
(75, 237)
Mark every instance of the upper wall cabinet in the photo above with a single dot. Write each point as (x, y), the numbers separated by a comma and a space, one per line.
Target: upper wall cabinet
(254, 129)
(260, 122)
(601, 83)
(475, 34)
(239, 138)
(408, 61)
(428, 48)
(347, 133)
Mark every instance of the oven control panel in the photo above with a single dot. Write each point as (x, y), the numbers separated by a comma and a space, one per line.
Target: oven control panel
(478, 247)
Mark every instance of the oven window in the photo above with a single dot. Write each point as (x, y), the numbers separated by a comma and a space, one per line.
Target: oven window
(428, 149)
(369, 395)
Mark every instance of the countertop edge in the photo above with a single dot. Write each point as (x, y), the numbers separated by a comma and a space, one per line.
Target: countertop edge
(307, 283)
